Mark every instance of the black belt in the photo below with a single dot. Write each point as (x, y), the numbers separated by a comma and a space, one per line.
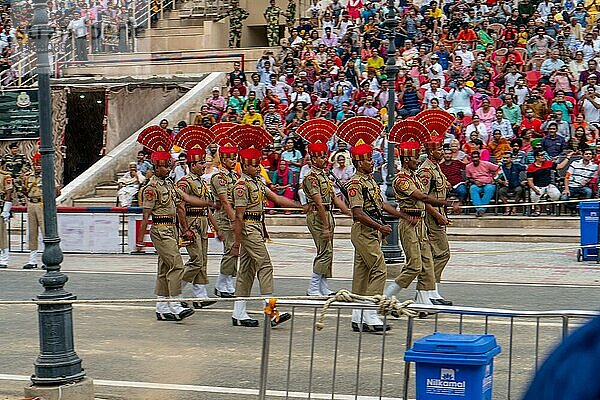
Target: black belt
(163, 220)
(373, 214)
(195, 212)
(413, 212)
(313, 207)
(253, 216)
(35, 199)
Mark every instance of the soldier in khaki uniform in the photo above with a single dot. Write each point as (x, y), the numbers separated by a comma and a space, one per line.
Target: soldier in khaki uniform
(411, 200)
(435, 185)
(194, 140)
(32, 189)
(368, 229)
(6, 192)
(250, 197)
(222, 184)
(16, 164)
(320, 199)
(160, 199)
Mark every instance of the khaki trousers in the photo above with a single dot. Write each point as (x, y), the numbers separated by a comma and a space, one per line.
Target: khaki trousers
(195, 267)
(228, 262)
(3, 234)
(35, 223)
(323, 262)
(170, 264)
(370, 270)
(419, 261)
(440, 249)
(254, 262)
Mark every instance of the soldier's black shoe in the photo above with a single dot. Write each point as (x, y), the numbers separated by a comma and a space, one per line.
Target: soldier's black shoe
(283, 317)
(356, 327)
(202, 304)
(395, 314)
(30, 266)
(165, 317)
(43, 266)
(244, 322)
(186, 312)
(3, 266)
(225, 295)
(440, 302)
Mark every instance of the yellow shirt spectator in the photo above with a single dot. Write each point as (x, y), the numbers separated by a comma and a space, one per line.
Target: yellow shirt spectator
(252, 119)
(375, 61)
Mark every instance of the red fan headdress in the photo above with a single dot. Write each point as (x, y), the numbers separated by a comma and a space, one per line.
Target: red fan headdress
(436, 121)
(158, 140)
(227, 147)
(360, 132)
(251, 139)
(409, 135)
(194, 140)
(36, 158)
(317, 132)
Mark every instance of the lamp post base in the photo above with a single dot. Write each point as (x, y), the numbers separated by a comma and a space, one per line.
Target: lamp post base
(82, 390)
(392, 252)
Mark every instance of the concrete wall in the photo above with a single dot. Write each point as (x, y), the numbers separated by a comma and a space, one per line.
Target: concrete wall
(117, 160)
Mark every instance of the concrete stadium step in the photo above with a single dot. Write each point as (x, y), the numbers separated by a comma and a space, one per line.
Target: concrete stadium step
(107, 191)
(179, 21)
(175, 31)
(96, 201)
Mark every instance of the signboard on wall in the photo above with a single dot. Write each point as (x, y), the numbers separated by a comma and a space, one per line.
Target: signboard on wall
(19, 115)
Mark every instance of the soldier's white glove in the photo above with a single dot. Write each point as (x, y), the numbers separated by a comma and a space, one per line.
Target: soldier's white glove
(6, 210)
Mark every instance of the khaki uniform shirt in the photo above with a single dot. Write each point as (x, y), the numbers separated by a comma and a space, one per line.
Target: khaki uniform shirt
(405, 183)
(223, 182)
(251, 194)
(434, 181)
(364, 192)
(195, 186)
(317, 182)
(161, 197)
(6, 184)
(33, 186)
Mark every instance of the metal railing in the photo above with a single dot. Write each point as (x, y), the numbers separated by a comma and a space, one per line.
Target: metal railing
(321, 369)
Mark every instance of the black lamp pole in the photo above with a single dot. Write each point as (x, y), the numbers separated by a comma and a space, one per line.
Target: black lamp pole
(391, 250)
(57, 362)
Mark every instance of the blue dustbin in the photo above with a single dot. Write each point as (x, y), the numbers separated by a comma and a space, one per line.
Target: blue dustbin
(588, 228)
(451, 366)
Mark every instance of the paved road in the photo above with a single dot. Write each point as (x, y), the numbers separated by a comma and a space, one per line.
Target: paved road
(133, 356)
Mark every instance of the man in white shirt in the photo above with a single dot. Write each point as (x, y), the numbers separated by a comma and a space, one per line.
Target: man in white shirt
(78, 29)
(479, 128)
(503, 125)
(465, 55)
(434, 92)
(460, 98)
(280, 89)
(435, 71)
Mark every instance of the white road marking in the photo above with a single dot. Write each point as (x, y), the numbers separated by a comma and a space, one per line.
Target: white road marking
(210, 389)
(305, 278)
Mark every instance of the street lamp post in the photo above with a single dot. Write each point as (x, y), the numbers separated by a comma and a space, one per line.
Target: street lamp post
(391, 250)
(57, 363)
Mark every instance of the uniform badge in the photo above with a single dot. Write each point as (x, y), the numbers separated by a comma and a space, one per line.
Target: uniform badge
(222, 182)
(240, 192)
(403, 184)
(314, 183)
(149, 195)
(352, 192)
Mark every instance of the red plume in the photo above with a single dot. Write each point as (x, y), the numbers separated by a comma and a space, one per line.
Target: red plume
(359, 129)
(316, 130)
(409, 131)
(246, 136)
(221, 127)
(436, 121)
(155, 138)
(193, 137)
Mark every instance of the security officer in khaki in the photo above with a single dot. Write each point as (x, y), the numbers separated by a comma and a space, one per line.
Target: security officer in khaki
(6, 193)
(194, 140)
(319, 217)
(160, 201)
(222, 184)
(250, 197)
(412, 201)
(32, 189)
(367, 233)
(435, 185)
(16, 164)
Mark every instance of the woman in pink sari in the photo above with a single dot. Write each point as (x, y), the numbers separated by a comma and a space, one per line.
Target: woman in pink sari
(486, 114)
(283, 184)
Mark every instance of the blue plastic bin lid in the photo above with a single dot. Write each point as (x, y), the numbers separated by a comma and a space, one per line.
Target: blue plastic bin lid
(589, 205)
(455, 344)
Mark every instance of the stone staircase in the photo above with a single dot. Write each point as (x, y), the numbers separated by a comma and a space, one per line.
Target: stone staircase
(105, 195)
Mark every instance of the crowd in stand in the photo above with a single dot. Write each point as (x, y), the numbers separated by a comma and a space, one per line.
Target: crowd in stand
(522, 80)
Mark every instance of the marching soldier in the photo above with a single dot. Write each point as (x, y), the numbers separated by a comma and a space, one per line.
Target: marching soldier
(412, 201)
(320, 198)
(249, 197)
(222, 184)
(368, 229)
(16, 164)
(236, 15)
(290, 15)
(32, 188)
(435, 185)
(194, 140)
(271, 15)
(6, 192)
(160, 199)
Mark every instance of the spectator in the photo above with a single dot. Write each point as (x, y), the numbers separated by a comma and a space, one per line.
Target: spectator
(294, 159)
(460, 98)
(503, 125)
(590, 104)
(513, 181)
(343, 172)
(411, 99)
(517, 153)
(259, 88)
(252, 117)
(454, 171)
(216, 104)
(486, 114)
(478, 128)
(562, 105)
(578, 178)
(204, 118)
(512, 112)
(498, 145)
(129, 185)
(531, 122)
(481, 175)
(283, 184)
(540, 179)
(144, 166)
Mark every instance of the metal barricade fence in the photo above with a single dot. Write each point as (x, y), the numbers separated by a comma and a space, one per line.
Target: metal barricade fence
(337, 363)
